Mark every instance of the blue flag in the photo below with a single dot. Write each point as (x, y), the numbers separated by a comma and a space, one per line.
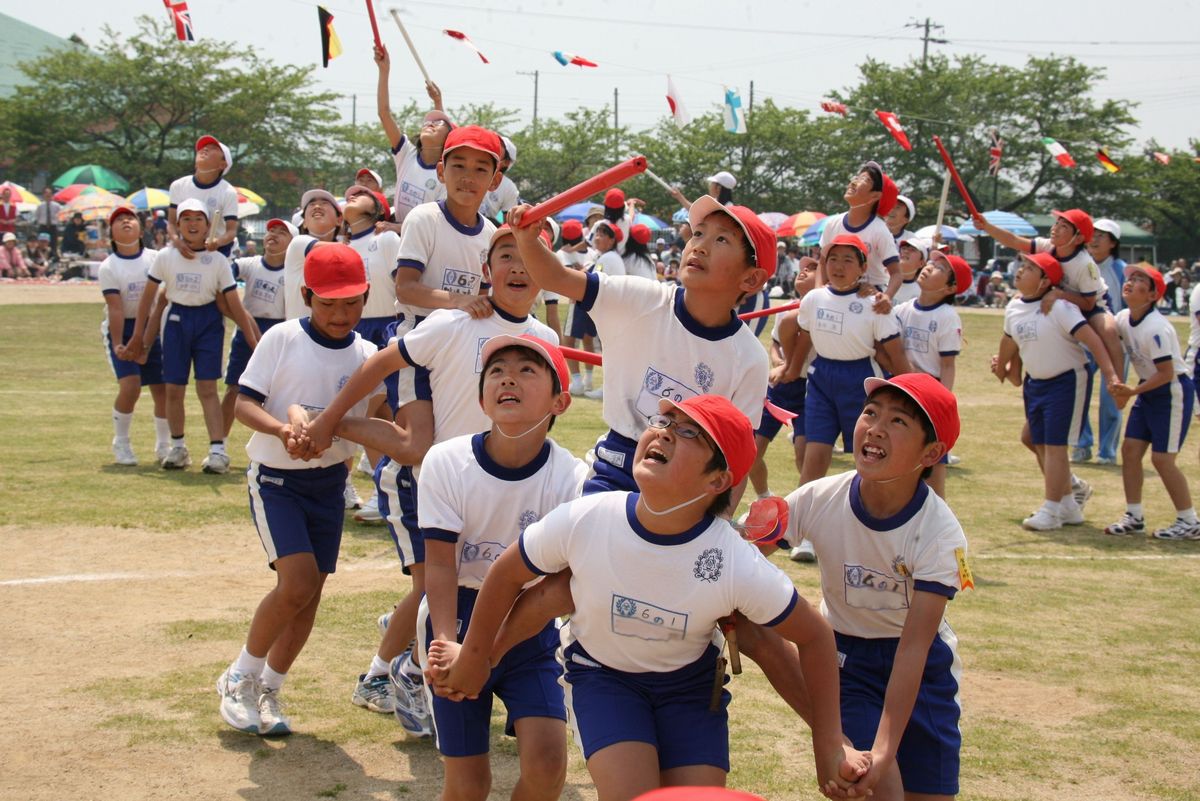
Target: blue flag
(735, 120)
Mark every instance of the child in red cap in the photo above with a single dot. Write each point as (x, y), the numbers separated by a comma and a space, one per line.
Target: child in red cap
(637, 253)
(208, 185)
(616, 211)
(871, 195)
(648, 594)
(296, 505)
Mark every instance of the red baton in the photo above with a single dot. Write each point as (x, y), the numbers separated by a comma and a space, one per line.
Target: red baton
(962, 189)
(582, 191)
(374, 24)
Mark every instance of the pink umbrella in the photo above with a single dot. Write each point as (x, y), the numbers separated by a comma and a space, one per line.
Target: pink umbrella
(69, 193)
(798, 223)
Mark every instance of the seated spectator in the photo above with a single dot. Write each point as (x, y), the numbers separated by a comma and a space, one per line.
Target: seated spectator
(72, 238)
(38, 254)
(12, 263)
(995, 292)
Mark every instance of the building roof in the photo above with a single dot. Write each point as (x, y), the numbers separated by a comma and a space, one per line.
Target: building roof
(20, 41)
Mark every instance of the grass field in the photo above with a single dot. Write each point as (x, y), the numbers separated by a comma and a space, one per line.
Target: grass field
(126, 590)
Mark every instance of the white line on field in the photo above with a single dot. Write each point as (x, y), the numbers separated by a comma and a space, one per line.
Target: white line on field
(1133, 557)
(78, 578)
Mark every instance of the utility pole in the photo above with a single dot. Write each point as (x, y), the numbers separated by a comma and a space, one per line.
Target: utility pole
(354, 128)
(927, 25)
(535, 93)
(616, 122)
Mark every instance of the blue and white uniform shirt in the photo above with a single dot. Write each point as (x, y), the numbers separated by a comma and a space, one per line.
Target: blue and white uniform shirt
(502, 198)
(870, 567)
(1046, 342)
(881, 246)
(1080, 274)
(1194, 320)
(646, 602)
(379, 253)
(844, 326)
(126, 276)
(929, 334)
(457, 473)
(293, 275)
(295, 364)
(1148, 342)
(416, 181)
(263, 297)
(449, 255)
(192, 282)
(219, 197)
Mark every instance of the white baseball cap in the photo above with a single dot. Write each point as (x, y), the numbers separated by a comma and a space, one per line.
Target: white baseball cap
(908, 204)
(319, 194)
(1110, 227)
(723, 178)
(367, 170)
(509, 149)
(9, 237)
(922, 245)
(191, 204)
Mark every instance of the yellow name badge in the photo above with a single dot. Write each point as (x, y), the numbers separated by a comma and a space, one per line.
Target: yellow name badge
(965, 580)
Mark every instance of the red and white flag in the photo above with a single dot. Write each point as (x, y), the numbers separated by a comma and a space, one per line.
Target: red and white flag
(462, 37)
(565, 58)
(892, 123)
(679, 111)
(995, 152)
(182, 19)
(1058, 151)
(1161, 158)
(833, 107)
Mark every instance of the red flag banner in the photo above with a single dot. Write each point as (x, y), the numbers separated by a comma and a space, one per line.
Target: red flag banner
(1161, 158)
(995, 152)
(462, 37)
(834, 107)
(182, 19)
(892, 123)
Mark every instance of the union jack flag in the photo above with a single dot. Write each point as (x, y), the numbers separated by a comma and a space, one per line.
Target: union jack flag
(182, 19)
(994, 153)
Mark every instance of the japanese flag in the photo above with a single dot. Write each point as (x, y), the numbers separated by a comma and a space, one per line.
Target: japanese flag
(679, 111)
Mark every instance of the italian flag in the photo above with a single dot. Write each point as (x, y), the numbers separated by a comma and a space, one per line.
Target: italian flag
(1058, 151)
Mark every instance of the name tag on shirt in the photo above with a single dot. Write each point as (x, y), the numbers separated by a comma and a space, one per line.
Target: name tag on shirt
(188, 282)
(657, 385)
(872, 589)
(634, 618)
(830, 321)
(916, 339)
(460, 281)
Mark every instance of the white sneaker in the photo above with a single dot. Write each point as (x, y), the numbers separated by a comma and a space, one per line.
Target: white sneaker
(123, 453)
(1081, 455)
(409, 698)
(595, 394)
(576, 387)
(216, 463)
(375, 693)
(161, 451)
(364, 466)
(350, 494)
(952, 460)
(587, 382)
(177, 459)
(239, 700)
(1072, 515)
(271, 720)
(1127, 526)
(804, 553)
(1043, 520)
(1179, 530)
(384, 621)
(1082, 491)
(369, 513)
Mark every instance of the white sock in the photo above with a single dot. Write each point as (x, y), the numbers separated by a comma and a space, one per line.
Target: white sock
(178, 442)
(121, 424)
(1068, 503)
(410, 666)
(1135, 509)
(249, 664)
(765, 494)
(162, 432)
(587, 380)
(271, 679)
(1054, 507)
(378, 667)
(576, 377)
(1188, 515)
(217, 447)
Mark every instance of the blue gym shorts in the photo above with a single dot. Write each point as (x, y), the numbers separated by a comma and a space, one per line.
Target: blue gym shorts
(375, 330)
(299, 511)
(929, 749)
(789, 396)
(1056, 407)
(192, 335)
(612, 469)
(834, 399)
(670, 711)
(150, 372)
(526, 680)
(239, 351)
(398, 505)
(1161, 416)
(581, 324)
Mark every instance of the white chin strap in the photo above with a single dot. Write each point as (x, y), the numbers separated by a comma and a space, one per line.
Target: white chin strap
(674, 508)
(897, 478)
(526, 431)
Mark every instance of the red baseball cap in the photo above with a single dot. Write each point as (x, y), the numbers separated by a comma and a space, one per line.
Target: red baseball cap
(550, 353)
(614, 198)
(760, 236)
(1047, 264)
(729, 428)
(209, 139)
(887, 196)
(572, 231)
(931, 395)
(964, 276)
(1160, 284)
(476, 138)
(117, 212)
(611, 227)
(368, 171)
(640, 233)
(697, 794)
(852, 241)
(275, 222)
(359, 189)
(1080, 219)
(335, 270)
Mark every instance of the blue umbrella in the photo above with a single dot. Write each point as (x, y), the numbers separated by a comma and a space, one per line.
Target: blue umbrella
(651, 222)
(812, 234)
(949, 233)
(578, 211)
(680, 216)
(1001, 219)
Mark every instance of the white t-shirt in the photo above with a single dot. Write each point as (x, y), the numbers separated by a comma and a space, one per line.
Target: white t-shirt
(449, 255)
(502, 198)
(881, 247)
(1079, 270)
(379, 253)
(908, 291)
(646, 602)
(458, 473)
(449, 344)
(610, 263)
(1194, 320)
(293, 275)
(220, 198)
(126, 276)
(1148, 342)
(842, 325)
(263, 296)
(640, 266)
(293, 363)
(1047, 343)
(812, 353)
(192, 282)
(871, 567)
(929, 334)
(654, 349)
(416, 181)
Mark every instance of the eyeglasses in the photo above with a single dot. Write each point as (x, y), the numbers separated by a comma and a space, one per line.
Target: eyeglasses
(685, 429)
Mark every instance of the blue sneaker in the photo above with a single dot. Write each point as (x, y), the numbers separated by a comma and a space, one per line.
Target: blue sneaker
(374, 693)
(408, 693)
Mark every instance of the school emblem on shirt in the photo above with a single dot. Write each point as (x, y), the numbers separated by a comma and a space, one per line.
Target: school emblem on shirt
(933, 326)
(631, 617)
(704, 376)
(374, 246)
(430, 183)
(855, 307)
(708, 564)
(206, 259)
(342, 382)
(527, 519)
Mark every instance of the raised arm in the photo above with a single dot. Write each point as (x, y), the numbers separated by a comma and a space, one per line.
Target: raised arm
(382, 103)
(540, 262)
(1006, 238)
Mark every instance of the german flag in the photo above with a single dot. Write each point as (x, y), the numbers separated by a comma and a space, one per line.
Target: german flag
(1108, 163)
(331, 45)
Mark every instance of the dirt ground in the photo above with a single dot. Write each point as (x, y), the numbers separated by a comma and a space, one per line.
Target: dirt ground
(24, 293)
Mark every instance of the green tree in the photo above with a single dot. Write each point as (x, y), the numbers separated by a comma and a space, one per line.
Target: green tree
(1171, 201)
(561, 153)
